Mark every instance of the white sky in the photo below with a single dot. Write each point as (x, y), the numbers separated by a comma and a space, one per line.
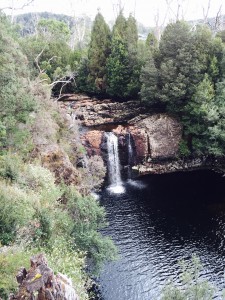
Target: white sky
(145, 10)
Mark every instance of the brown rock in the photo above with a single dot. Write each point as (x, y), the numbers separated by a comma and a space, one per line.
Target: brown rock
(92, 141)
(164, 135)
(40, 283)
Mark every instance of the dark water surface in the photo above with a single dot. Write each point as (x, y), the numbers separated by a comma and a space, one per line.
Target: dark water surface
(158, 221)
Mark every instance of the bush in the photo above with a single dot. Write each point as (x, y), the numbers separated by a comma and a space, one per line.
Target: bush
(16, 209)
(89, 217)
(61, 258)
(183, 149)
(192, 286)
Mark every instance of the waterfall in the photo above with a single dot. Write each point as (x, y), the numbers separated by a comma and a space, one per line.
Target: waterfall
(130, 157)
(113, 163)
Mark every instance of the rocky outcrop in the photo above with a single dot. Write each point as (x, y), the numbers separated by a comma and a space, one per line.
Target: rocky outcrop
(94, 112)
(40, 283)
(153, 137)
(173, 165)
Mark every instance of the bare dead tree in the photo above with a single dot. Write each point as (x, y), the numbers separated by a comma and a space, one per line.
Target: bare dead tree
(37, 63)
(79, 27)
(12, 7)
(160, 25)
(64, 82)
(218, 20)
(70, 77)
(206, 12)
(117, 7)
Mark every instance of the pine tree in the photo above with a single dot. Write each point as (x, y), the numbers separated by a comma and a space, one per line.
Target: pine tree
(98, 54)
(117, 67)
(149, 80)
(123, 66)
(199, 116)
(151, 42)
(134, 85)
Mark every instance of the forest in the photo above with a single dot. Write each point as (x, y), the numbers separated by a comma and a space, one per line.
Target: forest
(182, 74)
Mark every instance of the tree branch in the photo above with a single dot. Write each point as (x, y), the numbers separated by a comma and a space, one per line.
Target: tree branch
(65, 82)
(17, 8)
(37, 60)
(205, 13)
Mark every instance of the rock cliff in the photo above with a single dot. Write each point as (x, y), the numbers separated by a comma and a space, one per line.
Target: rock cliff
(153, 137)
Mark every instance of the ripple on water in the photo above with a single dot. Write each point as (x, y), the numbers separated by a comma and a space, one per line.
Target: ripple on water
(168, 219)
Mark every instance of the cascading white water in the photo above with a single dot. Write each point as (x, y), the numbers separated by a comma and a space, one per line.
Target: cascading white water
(114, 163)
(130, 156)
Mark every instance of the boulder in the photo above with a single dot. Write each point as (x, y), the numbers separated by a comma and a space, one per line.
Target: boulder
(92, 142)
(40, 283)
(158, 136)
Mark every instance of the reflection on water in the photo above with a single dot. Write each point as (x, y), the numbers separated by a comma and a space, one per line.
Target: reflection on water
(158, 221)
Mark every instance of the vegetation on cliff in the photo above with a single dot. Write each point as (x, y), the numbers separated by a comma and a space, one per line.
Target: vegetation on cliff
(45, 202)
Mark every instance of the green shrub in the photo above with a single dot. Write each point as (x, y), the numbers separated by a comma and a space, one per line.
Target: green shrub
(16, 210)
(89, 217)
(183, 149)
(61, 258)
(192, 286)
(64, 259)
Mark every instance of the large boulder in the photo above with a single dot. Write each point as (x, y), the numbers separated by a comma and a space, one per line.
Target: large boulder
(157, 136)
(40, 283)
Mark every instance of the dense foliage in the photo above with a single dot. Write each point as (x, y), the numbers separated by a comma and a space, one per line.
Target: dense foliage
(185, 77)
(112, 68)
(182, 74)
(39, 212)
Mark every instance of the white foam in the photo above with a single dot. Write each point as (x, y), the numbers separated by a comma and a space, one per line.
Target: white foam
(116, 189)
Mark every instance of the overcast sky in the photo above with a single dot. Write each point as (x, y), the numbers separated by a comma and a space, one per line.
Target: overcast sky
(144, 10)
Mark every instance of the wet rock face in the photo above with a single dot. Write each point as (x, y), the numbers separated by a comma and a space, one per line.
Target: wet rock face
(155, 137)
(92, 141)
(40, 283)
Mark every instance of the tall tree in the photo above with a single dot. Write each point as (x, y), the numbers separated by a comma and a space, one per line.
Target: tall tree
(149, 76)
(200, 113)
(118, 68)
(123, 65)
(49, 50)
(133, 86)
(98, 54)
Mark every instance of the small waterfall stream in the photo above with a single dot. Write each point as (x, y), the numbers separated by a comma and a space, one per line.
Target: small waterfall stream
(114, 163)
(130, 157)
